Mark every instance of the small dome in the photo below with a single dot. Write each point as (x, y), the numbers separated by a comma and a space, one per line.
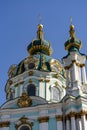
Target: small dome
(39, 44)
(73, 43)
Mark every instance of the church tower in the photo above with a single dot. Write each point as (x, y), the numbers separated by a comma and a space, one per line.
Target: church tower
(75, 100)
(74, 64)
(43, 94)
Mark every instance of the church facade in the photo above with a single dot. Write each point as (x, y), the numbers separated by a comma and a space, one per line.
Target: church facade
(43, 94)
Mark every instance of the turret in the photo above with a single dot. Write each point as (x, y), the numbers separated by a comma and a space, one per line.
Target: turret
(74, 63)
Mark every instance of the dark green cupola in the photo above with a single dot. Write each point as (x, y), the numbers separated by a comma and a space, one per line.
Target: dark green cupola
(39, 45)
(73, 43)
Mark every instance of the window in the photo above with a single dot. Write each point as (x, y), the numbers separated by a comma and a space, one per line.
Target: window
(55, 94)
(31, 88)
(31, 65)
(24, 128)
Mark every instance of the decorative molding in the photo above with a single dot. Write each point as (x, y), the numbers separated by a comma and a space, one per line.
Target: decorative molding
(56, 75)
(23, 121)
(59, 117)
(72, 114)
(63, 86)
(43, 119)
(40, 79)
(4, 124)
(47, 80)
(67, 117)
(77, 116)
(30, 81)
(40, 47)
(73, 44)
(24, 100)
(16, 85)
(21, 82)
(10, 82)
(30, 73)
(83, 112)
(56, 83)
(77, 64)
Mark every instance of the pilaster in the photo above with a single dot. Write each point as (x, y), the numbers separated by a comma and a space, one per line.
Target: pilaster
(43, 123)
(67, 122)
(73, 123)
(59, 119)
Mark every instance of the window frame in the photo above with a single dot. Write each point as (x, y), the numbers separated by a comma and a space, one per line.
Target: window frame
(24, 125)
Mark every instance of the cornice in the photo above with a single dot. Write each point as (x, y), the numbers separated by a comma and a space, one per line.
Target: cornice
(77, 64)
(43, 119)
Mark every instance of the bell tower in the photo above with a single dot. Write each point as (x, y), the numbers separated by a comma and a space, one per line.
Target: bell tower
(74, 63)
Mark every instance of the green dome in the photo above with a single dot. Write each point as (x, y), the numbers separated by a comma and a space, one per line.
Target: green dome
(39, 45)
(73, 43)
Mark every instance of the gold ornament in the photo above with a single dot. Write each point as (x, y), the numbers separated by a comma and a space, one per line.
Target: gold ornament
(24, 100)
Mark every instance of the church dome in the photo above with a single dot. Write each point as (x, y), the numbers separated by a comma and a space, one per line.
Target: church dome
(73, 43)
(39, 45)
(36, 75)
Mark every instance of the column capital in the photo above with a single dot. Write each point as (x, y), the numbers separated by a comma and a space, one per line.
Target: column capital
(16, 85)
(4, 124)
(78, 116)
(72, 114)
(83, 112)
(59, 117)
(40, 79)
(67, 117)
(43, 119)
(47, 80)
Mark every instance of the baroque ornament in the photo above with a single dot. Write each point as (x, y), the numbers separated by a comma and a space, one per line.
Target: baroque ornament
(24, 100)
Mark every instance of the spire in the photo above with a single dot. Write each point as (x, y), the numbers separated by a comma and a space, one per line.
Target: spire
(72, 31)
(73, 43)
(40, 29)
(40, 32)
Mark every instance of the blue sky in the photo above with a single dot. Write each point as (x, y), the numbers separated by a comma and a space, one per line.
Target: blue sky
(18, 26)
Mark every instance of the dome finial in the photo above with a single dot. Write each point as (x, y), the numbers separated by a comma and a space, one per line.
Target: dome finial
(40, 29)
(40, 19)
(70, 20)
(71, 31)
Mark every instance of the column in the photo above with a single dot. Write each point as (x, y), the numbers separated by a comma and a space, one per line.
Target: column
(21, 87)
(73, 123)
(67, 122)
(67, 77)
(83, 120)
(4, 125)
(41, 88)
(59, 119)
(43, 123)
(16, 90)
(83, 74)
(47, 90)
(79, 74)
(78, 122)
(74, 72)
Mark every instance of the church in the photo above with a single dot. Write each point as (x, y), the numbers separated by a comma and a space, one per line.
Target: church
(43, 93)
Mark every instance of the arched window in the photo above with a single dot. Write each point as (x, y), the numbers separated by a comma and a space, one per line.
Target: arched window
(24, 128)
(31, 65)
(31, 89)
(55, 93)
